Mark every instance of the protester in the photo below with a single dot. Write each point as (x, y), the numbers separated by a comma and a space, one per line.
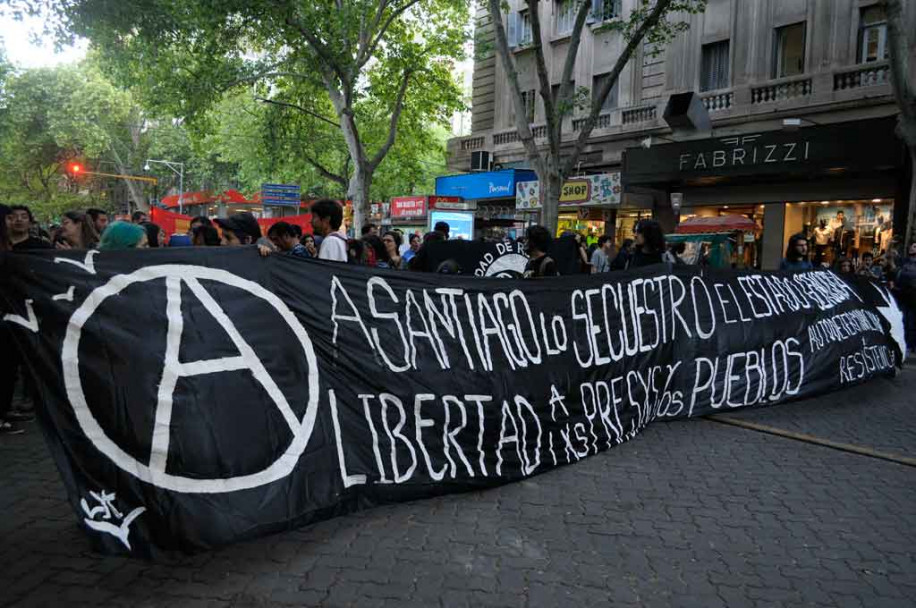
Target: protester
(649, 244)
(413, 246)
(241, 229)
(123, 235)
(622, 259)
(905, 283)
(585, 266)
(327, 216)
(154, 234)
(355, 250)
(601, 257)
(392, 242)
(870, 268)
(180, 240)
(284, 238)
(369, 229)
(139, 217)
(205, 235)
(674, 253)
(19, 222)
(843, 266)
(374, 252)
(796, 254)
(200, 220)
(539, 263)
(9, 355)
(308, 241)
(297, 230)
(77, 232)
(99, 219)
(420, 261)
(442, 228)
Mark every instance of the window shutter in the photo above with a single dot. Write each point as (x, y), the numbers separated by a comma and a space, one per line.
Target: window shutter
(513, 29)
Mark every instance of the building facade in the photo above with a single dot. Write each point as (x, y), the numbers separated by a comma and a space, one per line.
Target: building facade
(801, 108)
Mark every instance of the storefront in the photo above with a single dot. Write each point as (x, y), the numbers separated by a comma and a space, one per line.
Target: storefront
(847, 175)
(589, 204)
(492, 196)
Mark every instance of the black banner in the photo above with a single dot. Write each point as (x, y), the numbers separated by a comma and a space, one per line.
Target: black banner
(196, 397)
(503, 259)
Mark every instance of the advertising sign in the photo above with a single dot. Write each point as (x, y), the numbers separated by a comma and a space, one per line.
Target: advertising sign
(407, 207)
(461, 223)
(490, 184)
(597, 190)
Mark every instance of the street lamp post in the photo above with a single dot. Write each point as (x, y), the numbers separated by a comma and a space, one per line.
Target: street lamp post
(179, 171)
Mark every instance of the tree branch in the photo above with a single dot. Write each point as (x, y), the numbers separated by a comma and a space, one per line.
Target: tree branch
(370, 50)
(657, 13)
(540, 65)
(327, 174)
(393, 123)
(515, 90)
(300, 108)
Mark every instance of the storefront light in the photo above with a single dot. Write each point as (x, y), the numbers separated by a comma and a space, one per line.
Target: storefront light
(825, 202)
(876, 200)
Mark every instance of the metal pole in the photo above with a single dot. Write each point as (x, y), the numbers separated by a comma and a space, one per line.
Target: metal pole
(181, 189)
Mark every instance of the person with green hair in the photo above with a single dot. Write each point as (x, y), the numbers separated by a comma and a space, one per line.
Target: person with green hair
(123, 235)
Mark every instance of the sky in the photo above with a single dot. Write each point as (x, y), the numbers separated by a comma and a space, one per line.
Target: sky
(15, 38)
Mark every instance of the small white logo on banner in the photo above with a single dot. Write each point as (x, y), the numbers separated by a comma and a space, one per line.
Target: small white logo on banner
(104, 517)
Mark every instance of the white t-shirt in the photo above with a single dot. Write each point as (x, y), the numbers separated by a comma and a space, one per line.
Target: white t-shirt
(333, 248)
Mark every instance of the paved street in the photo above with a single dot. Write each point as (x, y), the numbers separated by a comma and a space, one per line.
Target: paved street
(693, 513)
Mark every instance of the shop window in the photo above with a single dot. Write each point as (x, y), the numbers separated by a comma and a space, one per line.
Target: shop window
(872, 34)
(714, 66)
(566, 16)
(789, 55)
(611, 101)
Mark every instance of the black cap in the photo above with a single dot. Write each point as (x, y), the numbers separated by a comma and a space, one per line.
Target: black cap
(243, 223)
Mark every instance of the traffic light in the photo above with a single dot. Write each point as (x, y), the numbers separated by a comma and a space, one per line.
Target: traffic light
(76, 168)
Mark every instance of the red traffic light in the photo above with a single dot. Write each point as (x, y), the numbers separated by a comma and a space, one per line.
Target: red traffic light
(76, 168)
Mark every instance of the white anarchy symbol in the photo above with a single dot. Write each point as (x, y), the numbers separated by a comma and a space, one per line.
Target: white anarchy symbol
(154, 471)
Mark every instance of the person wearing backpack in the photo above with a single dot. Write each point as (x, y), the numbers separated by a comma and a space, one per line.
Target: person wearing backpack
(539, 263)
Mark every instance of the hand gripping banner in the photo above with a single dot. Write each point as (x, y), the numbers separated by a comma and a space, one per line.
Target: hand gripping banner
(196, 397)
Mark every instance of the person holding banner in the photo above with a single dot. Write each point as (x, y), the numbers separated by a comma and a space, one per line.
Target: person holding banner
(327, 216)
(796, 259)
(122, 235)
(539, 263)
(649, 244)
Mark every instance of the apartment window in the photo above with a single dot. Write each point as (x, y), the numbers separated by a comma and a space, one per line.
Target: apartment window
(529, 98)
(566, 16)
(872, 34)
(789, 59)
(610, 101)
(524, 28)
(714, 66)
(604, 10)
(519, 27)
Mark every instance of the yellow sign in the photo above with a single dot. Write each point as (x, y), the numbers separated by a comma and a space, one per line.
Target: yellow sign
(576, 191)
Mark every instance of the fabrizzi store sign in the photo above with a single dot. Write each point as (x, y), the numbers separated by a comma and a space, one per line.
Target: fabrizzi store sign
(863, 145)
(199, 397)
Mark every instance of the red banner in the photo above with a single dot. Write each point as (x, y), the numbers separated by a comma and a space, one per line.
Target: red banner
(405, 207)
(170, 222)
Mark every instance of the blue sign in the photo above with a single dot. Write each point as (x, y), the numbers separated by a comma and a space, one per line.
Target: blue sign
(280, 194)
(460, 223)
(491, 184)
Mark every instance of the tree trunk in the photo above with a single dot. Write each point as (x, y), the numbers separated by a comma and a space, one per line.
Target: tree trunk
(551, 182)
(358, 193)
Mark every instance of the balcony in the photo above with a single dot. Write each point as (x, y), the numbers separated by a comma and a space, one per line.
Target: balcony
(821, 91)
(868, 75)
(718, 100)
(638, 114)
(782, 90)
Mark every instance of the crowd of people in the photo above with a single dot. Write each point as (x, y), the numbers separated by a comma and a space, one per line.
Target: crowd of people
(390, 249)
